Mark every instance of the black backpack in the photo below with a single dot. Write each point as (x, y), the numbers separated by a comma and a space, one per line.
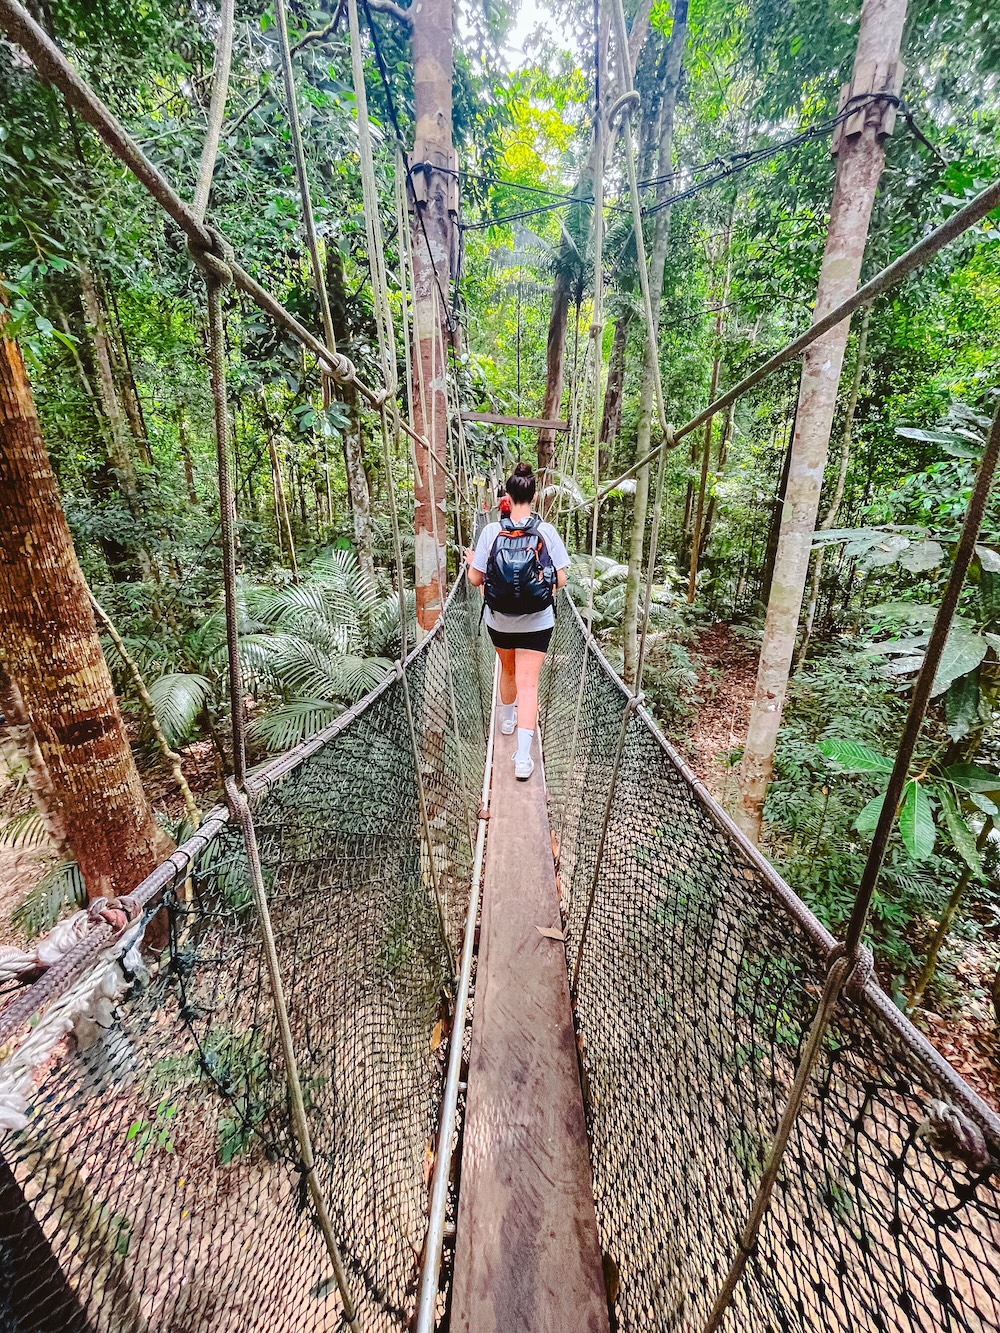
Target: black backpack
(520, 575)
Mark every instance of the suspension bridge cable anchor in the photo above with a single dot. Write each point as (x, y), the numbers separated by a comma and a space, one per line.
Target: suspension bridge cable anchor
(239, 808)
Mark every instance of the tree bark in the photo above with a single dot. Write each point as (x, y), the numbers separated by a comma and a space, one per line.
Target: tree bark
(611, 414)
(431, 242)
(49, 641)
(658, 254)
(774, 527)
(555, 358)
(720, 462)
(838, 491)
(860, 160)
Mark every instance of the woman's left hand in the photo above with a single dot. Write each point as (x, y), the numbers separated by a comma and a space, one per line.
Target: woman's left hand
(470, 555)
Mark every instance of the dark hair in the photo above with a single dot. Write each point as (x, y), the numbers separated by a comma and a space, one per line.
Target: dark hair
(521, 484)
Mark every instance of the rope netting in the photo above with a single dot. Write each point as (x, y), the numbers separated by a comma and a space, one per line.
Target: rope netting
(698, 982)
(154, 1182)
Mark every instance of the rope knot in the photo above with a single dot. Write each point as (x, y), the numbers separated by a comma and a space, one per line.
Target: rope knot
(951, 1134)
(860, 974)
(216, 259)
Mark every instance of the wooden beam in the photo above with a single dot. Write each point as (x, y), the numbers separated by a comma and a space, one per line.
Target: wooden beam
(532, 423)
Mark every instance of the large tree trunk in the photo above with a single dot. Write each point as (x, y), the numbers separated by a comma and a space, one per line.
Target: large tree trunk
(658, 254)
(555, 358)
(49, 642)
(860, 160)
(431, 238)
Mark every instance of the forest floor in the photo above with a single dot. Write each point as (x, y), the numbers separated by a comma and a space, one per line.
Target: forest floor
(966, 1033)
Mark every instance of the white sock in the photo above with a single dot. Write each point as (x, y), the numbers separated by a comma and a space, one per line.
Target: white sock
(524, 739)
(508, 711)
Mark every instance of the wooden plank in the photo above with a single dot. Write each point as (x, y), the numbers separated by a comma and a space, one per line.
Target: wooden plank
(527, 1257)
(532, 423)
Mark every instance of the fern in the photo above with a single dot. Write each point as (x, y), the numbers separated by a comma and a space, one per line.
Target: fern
(60, 889)
(177, 699)
(23, 832)
(292, 722)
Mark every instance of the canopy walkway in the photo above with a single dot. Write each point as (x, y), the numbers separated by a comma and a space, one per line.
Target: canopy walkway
(237, 1105)
(156, 1170)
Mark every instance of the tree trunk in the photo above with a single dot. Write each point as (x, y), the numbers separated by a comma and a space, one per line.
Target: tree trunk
(838, 491)
(720, 462)
(357, 486)
(130, 390)
(432, 199)
(285, 537)
(119, 455)
(182, 442)
(658, 254)
(555, 357)
(611, 416)
(49, 641)
(860, 159)
(774, 527)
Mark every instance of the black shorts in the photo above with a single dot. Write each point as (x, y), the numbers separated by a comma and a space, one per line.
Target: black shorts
(536, 641)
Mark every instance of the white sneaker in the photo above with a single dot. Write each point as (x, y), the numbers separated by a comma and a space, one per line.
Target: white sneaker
(509, 727)
(523, 768)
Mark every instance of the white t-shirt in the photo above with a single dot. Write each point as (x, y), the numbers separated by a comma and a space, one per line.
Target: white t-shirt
(534, 620)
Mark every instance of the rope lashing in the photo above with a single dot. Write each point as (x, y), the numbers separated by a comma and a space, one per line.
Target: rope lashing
(240, 810)
(862, 970)
(215, 257)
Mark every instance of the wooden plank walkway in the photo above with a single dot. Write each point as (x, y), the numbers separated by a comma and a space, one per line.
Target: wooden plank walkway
(527, 1256)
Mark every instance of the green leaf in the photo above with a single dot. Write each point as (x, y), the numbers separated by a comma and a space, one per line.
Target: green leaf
(989, 559)
(964, 649)
(178, 698)
(869, 816)
(961, 705)
(984, 803)
(853, 757)
(962, 837)
(921, 556)
(970, 777)
(916, 822)
(931, 436)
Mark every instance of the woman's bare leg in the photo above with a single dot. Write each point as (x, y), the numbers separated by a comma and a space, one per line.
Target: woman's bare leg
(527, 668)
(508, 679)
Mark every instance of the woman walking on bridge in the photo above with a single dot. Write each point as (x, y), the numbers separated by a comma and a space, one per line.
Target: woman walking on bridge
(519, 562)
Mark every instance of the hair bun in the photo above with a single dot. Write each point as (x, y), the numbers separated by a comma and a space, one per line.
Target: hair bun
(523, 470)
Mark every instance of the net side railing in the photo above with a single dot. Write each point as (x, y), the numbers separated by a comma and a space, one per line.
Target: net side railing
(699, 978)
(152, 1181)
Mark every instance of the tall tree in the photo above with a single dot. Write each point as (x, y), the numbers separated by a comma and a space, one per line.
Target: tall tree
(49, 642)
(860, 159)
(659, 241)
(432, 232)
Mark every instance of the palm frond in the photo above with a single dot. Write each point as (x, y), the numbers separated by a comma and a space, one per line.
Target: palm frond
(23, 832)
(61, 888)
(177, 699)
(291, 722)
